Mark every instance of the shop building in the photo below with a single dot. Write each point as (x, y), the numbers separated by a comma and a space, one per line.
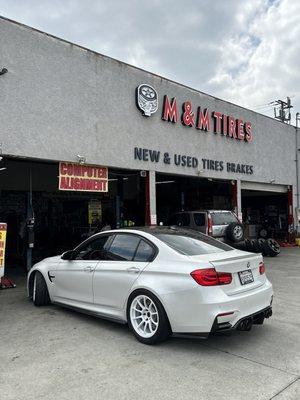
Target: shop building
(87, 139)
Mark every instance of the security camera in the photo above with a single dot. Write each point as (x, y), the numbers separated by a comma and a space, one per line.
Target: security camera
(81, 159)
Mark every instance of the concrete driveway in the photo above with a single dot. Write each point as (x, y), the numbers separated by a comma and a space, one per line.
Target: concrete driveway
(53, 353)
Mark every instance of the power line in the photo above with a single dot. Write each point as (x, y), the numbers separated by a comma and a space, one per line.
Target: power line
(282, 110)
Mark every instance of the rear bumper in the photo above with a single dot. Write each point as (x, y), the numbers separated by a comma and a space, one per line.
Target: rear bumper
(255, 318)
(210, 309)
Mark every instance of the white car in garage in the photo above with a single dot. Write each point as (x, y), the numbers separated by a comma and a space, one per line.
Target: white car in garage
(159, 280)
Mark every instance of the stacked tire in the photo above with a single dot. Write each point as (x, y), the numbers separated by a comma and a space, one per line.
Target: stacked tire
(235, 237)
(268, 247)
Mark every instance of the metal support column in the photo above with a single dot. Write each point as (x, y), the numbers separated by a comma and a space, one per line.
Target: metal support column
(236, 196)
(150, 200)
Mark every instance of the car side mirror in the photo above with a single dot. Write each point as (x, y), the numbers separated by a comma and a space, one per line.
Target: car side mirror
(68, 255)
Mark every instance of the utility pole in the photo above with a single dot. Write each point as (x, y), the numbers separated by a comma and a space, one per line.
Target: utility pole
(282, 110)
(297, 174)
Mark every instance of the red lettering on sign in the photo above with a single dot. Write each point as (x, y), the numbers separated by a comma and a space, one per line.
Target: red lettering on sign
(188, 116)
(231, 127)
(63, 168)
(170, 111)
(218, 118)
(240, 129)
(102, 173)
(248, 132)
(203, 120)
(224, 124)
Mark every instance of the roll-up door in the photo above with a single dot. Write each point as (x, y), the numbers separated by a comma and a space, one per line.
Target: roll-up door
(264, 187)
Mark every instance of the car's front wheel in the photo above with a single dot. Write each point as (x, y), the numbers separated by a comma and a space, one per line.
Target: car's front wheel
(40, 294)
(147, 318)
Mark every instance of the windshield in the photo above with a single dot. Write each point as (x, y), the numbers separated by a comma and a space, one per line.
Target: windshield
(193, 245)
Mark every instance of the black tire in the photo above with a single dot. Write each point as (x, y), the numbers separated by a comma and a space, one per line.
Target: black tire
(248, 245)
(163, 330)
(40, 294)
(256, 246)
(272, 248)
(235, 232)
(252, 245)
(239, 246)
(263, 233)
(262, 246)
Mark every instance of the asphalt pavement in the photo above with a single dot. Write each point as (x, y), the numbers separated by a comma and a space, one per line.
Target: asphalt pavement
(54, 353)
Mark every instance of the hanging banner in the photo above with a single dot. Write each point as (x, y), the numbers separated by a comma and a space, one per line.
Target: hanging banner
(82, 177)
(3, 230)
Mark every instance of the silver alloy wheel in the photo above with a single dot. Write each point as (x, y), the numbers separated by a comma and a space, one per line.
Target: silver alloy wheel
(274, 246)
(34, 288)
(238, 232)
(144, 316)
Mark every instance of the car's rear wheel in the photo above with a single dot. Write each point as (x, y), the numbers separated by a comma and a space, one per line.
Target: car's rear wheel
(147, 318)
(40, 294)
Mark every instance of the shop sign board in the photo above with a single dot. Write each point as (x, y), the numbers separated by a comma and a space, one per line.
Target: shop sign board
(184, 160)
(153, 219)
(95, 212)
(193, 116)
(82, 177)
(3, 230)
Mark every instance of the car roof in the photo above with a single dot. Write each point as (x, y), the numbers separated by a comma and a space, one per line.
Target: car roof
(151, 229)
(167, 230)
(211, 211)
(155, 230)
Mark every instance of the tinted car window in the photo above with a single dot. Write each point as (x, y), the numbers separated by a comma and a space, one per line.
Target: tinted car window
(93, 250)
(223, 218)
(123, 247)
(192, 246)
(199, 219)
(144, 252)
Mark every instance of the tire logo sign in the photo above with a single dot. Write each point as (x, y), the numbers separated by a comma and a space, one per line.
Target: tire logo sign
(147, 99)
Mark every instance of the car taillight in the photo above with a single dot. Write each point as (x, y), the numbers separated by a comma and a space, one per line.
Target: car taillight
(210, 277)
(209, 226)
(262, 268)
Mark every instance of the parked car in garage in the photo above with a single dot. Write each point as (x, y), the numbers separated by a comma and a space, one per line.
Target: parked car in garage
(159, 280)
(220, 224)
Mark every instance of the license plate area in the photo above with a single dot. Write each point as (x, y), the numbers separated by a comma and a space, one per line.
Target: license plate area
(246, 277)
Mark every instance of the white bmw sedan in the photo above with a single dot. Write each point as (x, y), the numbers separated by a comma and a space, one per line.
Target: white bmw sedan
(159, 280)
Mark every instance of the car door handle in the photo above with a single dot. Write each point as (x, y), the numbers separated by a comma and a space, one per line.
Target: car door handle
(89, 269)
(134, 270)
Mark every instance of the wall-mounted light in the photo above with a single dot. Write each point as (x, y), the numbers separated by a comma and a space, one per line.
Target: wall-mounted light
(161, 182)
(2, 163)
(115, 179)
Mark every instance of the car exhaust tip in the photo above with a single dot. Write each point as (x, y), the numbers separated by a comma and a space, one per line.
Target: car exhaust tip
(268, 313)
(245, 325)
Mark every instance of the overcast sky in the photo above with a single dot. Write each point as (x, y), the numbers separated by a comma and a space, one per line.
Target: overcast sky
(244, 51)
